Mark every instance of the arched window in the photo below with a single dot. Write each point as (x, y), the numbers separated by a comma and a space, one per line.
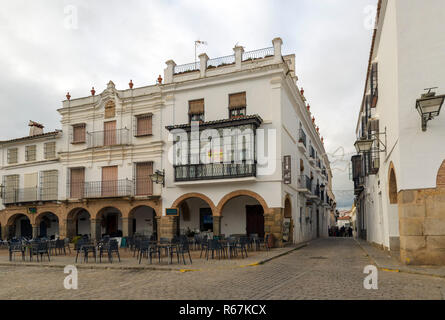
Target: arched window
(392, 185)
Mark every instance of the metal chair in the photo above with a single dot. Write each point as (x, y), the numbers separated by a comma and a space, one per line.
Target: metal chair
(16, 246)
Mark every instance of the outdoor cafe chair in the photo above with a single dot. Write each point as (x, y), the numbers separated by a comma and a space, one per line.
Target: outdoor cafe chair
(66, 243)
(60, 247)
(144, 249)
(181, 249)
(39, 248)
(214, 246)
(242, 245)
(16, 246)
(109, 247)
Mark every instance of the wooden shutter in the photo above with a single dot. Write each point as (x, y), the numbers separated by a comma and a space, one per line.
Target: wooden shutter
(12, 155)
(196, 106)
(109, 133)
(144, 125)
(77, 183)
(79, 133)
(50, 150)
(109, 181)
(49, 185)
(30, 187)
(144, 185)
(237, 100)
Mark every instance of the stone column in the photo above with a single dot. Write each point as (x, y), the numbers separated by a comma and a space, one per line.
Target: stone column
(238, 50)
(273, 224)
(95, 229)
(127, 227)
(217, 225)
(203, 58)
(168, 227)
(277, 42)
(5, 232)
(158, 226)
(169, 71)
(35, 231)
(70, 226)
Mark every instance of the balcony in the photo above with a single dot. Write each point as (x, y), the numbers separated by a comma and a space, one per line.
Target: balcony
(312, 155)
(302, 141)
(195, 172)
(110, 189)
(24, 195)
(108, 138)
(304, 184)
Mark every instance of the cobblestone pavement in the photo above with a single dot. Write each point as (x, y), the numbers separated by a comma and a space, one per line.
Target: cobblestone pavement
(325, 269)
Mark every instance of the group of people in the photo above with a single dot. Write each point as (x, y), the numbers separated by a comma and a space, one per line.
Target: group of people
(340, 232)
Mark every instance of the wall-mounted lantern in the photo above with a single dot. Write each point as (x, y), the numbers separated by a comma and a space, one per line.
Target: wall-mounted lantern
(429, 106)
(158, 177)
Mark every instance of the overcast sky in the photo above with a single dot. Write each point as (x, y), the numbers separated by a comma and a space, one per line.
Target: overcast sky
(50, 47)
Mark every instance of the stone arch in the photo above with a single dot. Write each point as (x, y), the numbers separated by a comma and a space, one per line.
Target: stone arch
(287, 207)
(239, 193)
(440, 180)
(392, 184)
(10, 226)
(11, 219)
(45, 225)
(206, 199)
(41, 215)
(142, 220)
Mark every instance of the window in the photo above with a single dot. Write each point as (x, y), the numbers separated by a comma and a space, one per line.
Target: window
(49, 184)
(11, 184)
(196, 110)
(144, 185)
(77, 183)
(49, 150)
(30, 153)
(110, 133)
(143, 125)
(79, 133)
(237, 105)
(12, 155)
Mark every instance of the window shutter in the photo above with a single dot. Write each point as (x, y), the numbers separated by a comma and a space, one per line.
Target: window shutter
(144, 125)
(144, 185)
(237, 100)
(79, 133)
(110, 109)
(196, 106)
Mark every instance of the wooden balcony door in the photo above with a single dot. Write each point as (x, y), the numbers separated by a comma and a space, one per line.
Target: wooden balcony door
(110, 133)
(109, 181)
(77, 183)
(144, 185)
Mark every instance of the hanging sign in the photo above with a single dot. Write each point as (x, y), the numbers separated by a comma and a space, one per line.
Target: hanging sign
(287, 172)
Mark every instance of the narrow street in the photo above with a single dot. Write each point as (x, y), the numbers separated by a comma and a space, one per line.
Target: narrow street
(325, 269)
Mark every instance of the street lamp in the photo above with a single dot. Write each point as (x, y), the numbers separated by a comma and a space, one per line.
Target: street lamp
(429, 106)
(363, 145)
(158, 177)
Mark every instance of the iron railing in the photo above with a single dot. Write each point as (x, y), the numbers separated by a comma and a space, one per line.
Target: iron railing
(33, 194)
(214, 171)
(304, 182)
(108, 138)
(221, 61)
(312, 152)
(302, 137)
(258, 54)
(100, 189)
(187, 67)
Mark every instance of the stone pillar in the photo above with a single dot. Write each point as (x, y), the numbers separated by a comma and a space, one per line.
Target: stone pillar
(95, 229)
(169, 71)
(238, 50)
(273, 224)
(277, 42)
(127, 227)
(217, 225)
(70, 226)
(5, 232)
(62, 229)
(203, 58)
(158, 226)
(168, 227)
(35, 231)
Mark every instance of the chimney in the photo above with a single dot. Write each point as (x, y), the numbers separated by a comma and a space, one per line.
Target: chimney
(35, 128)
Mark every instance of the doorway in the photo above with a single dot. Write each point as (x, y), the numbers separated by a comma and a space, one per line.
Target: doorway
(206, 219)
(255, 220)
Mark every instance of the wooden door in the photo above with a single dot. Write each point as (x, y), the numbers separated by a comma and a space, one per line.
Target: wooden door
(109, 181)
(77, 183)
(110, 133)
(144, 185)
(30, 190)
(255, 220)
(111, 223)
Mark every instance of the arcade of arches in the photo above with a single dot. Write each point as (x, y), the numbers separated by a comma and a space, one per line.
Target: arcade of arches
(239, 212)
(422, 223)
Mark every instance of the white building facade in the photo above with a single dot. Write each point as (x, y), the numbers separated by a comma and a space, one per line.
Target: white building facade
(246, 106)
(399, 184)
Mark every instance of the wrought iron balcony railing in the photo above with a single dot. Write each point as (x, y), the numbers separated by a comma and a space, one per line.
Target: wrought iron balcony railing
(304, 182)
(312, 152)
(210, 171)
(108, 138)
(34, 194)
(302, 137)
(110, 189)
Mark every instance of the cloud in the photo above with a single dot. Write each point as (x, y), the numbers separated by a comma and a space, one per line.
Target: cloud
(41, 59)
